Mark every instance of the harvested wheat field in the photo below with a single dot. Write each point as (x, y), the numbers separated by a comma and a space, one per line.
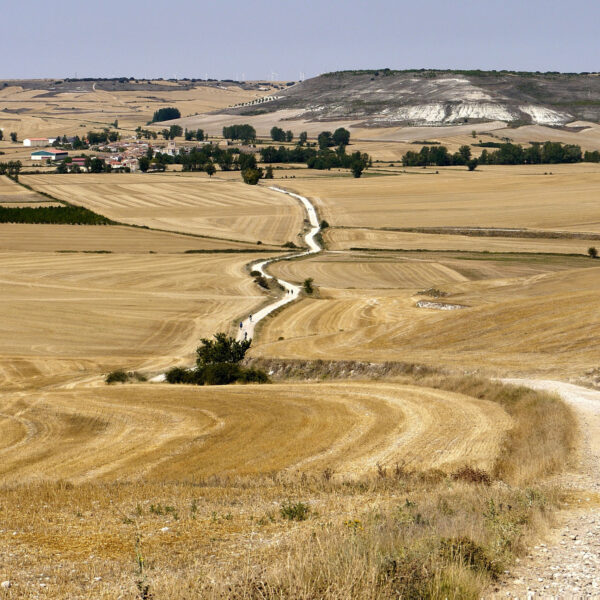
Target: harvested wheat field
(13, 192)
(68, 107)
(342, 238)
(519, 313)
(153, 433)
(78, 314)
(190, 204)
(491, 197)
(24, 237)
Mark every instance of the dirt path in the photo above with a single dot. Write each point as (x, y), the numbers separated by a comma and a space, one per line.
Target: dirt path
(568, 566)
(291, 291)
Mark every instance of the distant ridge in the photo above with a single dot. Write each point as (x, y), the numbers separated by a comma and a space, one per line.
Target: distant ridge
(381, 97)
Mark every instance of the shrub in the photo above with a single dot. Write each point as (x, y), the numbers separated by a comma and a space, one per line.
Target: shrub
(294, 512)
(290, 245)
(325, 224)
(308, 285)
(472, 475)
(118, 376)
(592, 252)
(178, 375)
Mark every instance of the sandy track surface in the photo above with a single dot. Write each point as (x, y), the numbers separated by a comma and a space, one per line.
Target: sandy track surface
(568, 566)
(152, 433)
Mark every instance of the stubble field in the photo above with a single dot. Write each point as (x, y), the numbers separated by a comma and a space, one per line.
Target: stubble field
(185, 203)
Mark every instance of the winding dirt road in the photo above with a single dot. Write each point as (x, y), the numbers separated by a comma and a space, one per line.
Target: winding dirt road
(246, 330)
(569, 565)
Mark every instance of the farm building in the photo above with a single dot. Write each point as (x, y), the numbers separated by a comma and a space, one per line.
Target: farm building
(38, 141)
(49, 154)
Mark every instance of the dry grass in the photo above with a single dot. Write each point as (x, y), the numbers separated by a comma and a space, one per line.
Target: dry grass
(186, 203)
(388, 532)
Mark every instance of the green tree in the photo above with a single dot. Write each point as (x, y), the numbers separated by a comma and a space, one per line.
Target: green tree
(465, 152)
(251, 176)
(269, 172)
(592, 252)
(200, 135)
(247, 160)
(97, 165)
(302, 137)
(13, 136)
(289, 136)
(357, 168)
(166, 114)
(223, 349)
(210, 168)
(472, 164)
(1, 135)
(325, 140)
(277, 134)
(341, 137)
(144, 163)
(175, 131)
(308, 285)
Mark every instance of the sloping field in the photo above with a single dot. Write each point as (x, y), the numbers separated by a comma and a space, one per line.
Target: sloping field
(12, 192)
(514, 197)
(82, 238)
(81, 314)
(189, 204)
(42, 113)
(155, 432)
(366, 272)
(344, 239)
(537, 317)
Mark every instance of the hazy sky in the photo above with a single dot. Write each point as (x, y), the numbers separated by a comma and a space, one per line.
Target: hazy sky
(250, 39)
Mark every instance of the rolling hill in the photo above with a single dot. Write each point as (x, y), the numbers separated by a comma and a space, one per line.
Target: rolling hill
(432, 97)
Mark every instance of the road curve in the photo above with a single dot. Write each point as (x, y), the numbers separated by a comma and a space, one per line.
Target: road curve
(291, 291)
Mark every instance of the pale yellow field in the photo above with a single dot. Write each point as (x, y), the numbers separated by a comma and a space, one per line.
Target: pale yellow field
(72, 113)
(186, 203)
(157, 432)
(76, 315)
(344, 239)
(496, 197)
(12, 192)
(524, 315)
(24, 237)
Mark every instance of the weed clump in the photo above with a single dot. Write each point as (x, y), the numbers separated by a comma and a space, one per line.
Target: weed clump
(298, 511)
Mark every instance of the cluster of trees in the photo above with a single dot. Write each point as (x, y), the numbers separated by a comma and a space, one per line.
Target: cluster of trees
(194, 135)
(279, 135)
(504, 154)
(218, 363)
(547, 153)
(101, 137)
(340, 137)
(322, 159)
(166, 114)
(246, 133)
(147, 134)
(92, 165)
(11, 168)
(63, 215)
(439, 156)
(171, 133)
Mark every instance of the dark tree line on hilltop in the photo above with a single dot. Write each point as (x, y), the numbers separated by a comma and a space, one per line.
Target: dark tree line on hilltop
(506, 154)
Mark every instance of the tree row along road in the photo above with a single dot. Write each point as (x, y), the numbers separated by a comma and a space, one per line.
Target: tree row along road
(291, 291)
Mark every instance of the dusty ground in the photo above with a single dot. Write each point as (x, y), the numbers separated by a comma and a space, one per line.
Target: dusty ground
(566, 565)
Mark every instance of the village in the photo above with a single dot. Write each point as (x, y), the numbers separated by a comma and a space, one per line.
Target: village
(120, 155)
